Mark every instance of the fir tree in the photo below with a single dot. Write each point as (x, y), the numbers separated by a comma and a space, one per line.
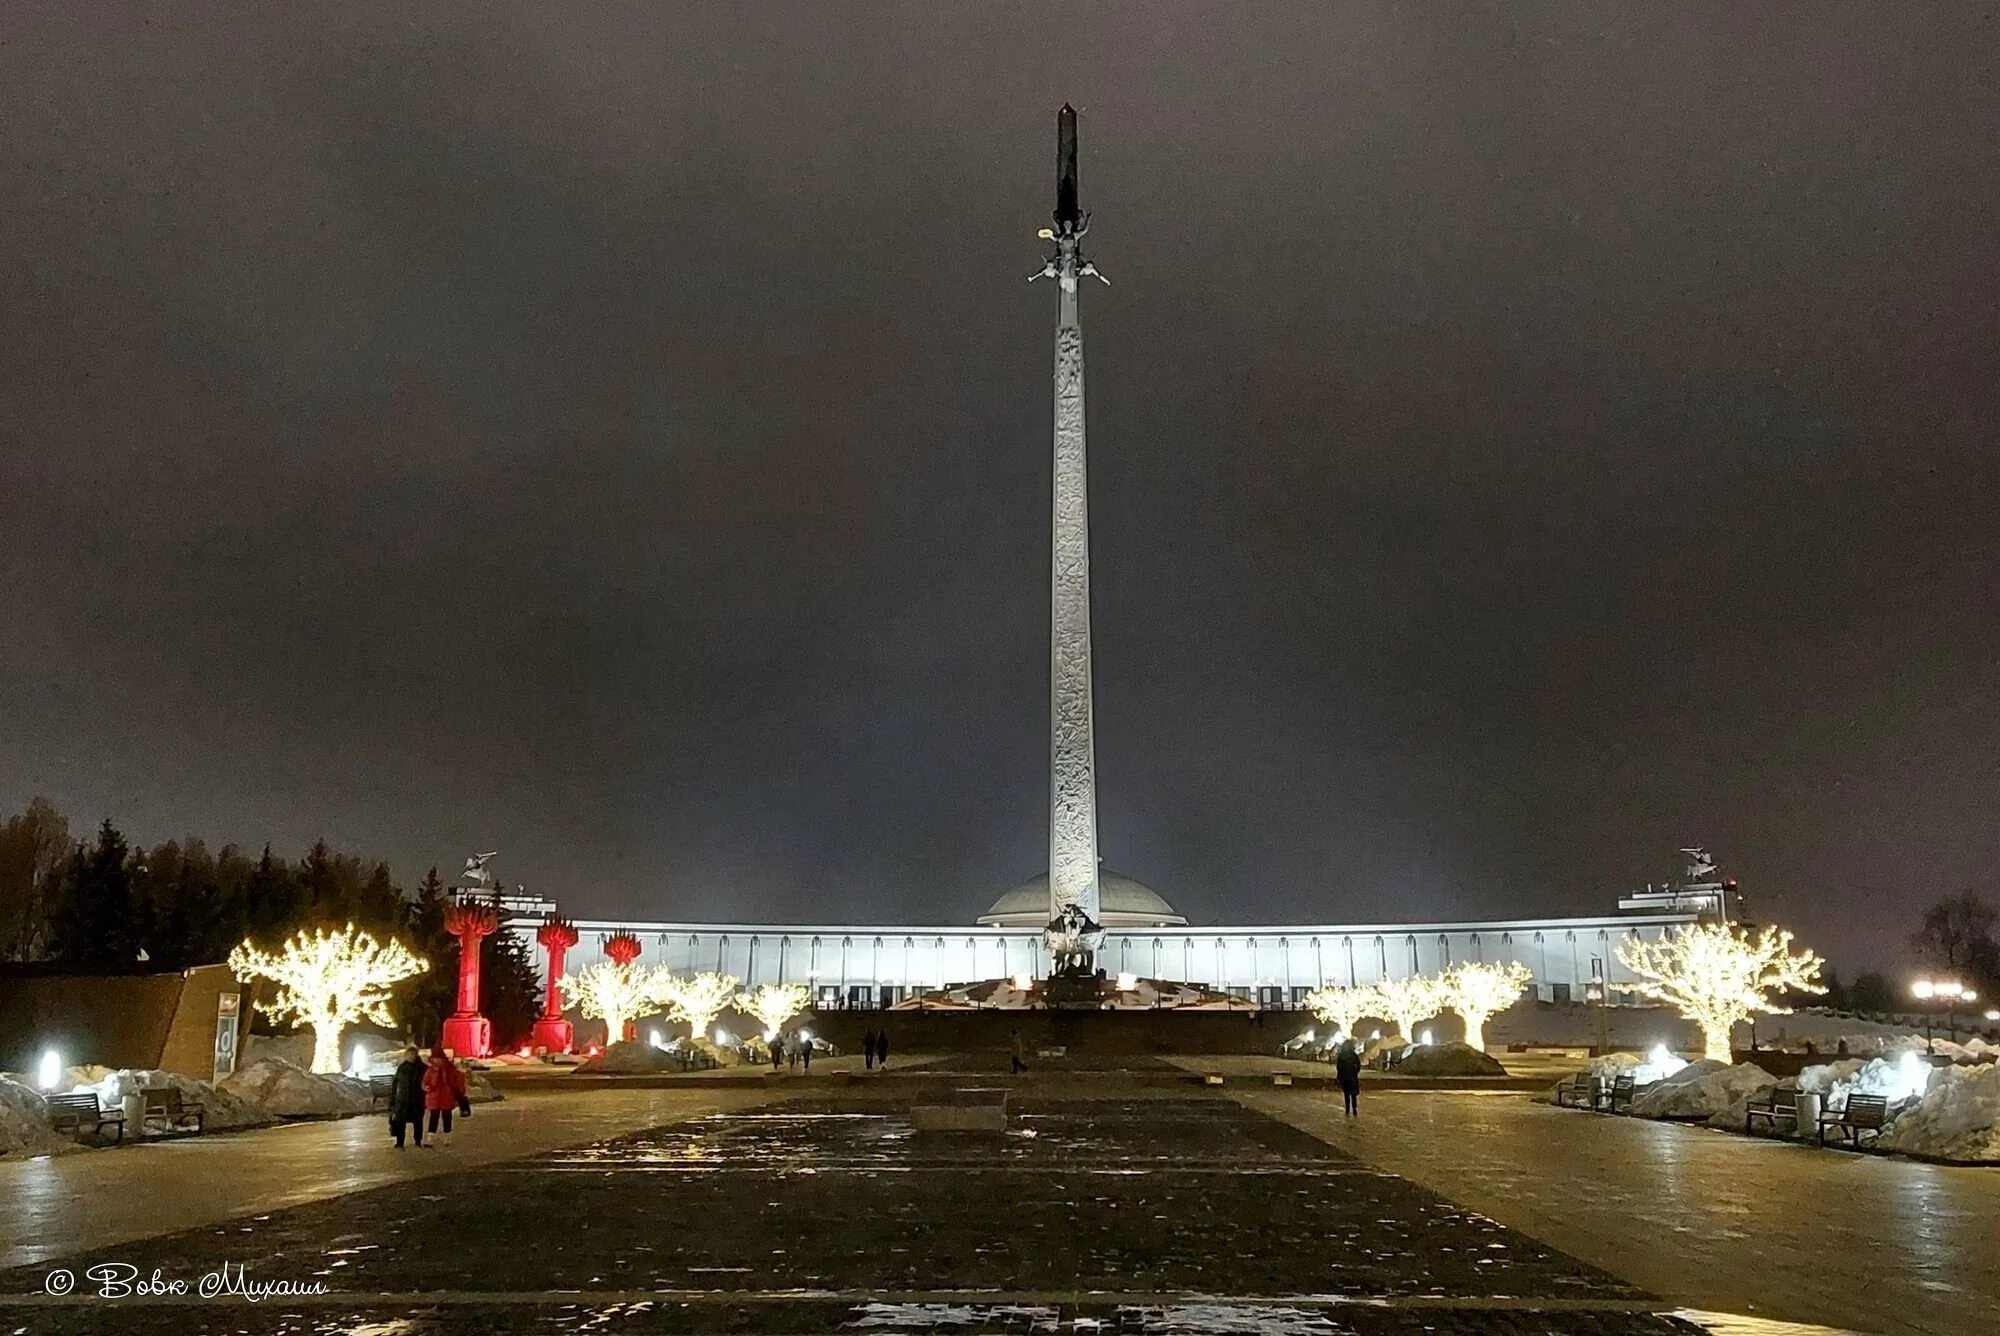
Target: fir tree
(96, 918)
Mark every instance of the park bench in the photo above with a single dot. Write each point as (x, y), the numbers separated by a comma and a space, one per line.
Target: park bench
(1619, 1092)
(1863, 1115)
(77, 1111)
(1579, 1092)
(380, 1088)
(164, 1105)
(1781, 1106)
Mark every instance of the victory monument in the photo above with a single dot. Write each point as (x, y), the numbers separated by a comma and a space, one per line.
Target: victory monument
(1074, 933)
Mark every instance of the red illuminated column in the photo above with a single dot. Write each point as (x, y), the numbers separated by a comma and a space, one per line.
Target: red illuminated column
(552, 1032)
(467, 1034)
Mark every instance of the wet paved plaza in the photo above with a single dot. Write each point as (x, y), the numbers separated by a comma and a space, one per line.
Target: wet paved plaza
(1107, 1206)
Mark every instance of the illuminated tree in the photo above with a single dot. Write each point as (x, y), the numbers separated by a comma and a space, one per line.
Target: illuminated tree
(1411, 999)
(612, 991)
(775, 1003)
(1717, 974)
(1478, 992)
(697, 998)
(1342, 1006)
(328, 980)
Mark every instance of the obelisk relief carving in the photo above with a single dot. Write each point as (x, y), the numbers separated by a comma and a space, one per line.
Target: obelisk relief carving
(1073, 932)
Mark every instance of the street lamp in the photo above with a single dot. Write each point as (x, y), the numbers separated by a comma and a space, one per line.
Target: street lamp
(1949, 991)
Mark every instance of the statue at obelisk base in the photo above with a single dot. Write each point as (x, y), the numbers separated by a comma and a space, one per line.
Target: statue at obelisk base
(552, 1032)
(467, 1034)
(622, 948)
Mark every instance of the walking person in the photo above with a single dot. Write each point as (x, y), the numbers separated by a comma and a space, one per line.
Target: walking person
(406, 1098)
(777, 1052)
(806, 1054)
(868, 1047)
(1017, 1056)
(1347, 1070)
(444, 1090)
(882, 1050)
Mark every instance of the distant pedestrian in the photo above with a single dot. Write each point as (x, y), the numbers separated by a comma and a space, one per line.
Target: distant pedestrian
(882, 1050)
(444, 1090)
(868, 1047)
(406, 1098)
(792, 1055)
(1017, 1056)
(1347, 1071)
(806, 1054)
(777, 1052)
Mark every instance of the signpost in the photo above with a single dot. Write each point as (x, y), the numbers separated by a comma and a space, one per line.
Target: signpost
(227, 1009)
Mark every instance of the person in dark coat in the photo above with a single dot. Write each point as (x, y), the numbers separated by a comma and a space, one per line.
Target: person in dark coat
(1017, 1053)
(868, 1047)
(882, 1049)
(805, 1047)
(1347, 1071)
(406, 1098)
(777, 1052)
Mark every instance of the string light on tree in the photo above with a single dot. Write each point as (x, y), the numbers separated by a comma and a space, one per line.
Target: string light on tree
(616, 990)
(1411, 999)
(1478, 992)
(327, 980)
(1717, 975)
(774, 1003)
(697, 998)
(1342, 1006)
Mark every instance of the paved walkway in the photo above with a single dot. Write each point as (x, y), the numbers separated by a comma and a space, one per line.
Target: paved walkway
(67, 1204)
(1704, 1218)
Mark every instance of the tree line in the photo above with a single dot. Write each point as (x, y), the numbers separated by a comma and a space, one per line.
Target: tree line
(102, 903)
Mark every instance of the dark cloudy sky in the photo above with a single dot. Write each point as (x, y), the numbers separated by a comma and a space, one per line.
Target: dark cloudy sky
(1524, 439)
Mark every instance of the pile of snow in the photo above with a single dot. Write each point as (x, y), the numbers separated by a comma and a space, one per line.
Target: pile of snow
(1455, 1059)
(1902, 1077)
(478, 1088)
(296, 1049)
(1822, 1078)
(631, 1057)
(24, 1122)
(1957, 1119)
(220, 1108)
(1699, 1090)
(286, 1090)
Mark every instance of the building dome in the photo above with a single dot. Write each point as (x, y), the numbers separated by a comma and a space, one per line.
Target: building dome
(1121, 903)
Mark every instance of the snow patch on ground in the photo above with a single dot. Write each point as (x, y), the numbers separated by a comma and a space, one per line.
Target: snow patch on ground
(1904, 1076)
(1699, 1090)
(632, 1057)
(221, 1109)
(286, 1090)
(1957, 1119)
(1454, 1059)
(24, 1122)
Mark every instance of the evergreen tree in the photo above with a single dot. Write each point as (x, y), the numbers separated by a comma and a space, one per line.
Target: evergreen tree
(96, 919)
(272, 902)
(427, 999)
(510, 987)
(34, 850)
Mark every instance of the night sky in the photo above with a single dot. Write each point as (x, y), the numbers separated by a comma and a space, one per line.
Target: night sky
(1524, 440)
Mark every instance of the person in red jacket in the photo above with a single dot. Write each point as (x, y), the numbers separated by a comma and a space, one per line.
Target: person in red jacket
(444, 1090)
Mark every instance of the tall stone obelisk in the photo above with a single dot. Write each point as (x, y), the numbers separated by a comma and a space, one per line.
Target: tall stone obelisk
(1072, 751)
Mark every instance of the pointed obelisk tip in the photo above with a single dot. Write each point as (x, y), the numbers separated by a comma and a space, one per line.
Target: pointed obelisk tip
(1066, 207)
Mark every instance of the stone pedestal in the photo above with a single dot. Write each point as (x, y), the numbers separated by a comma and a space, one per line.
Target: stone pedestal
(1073, 992)
(468, 1036)
(556, 1035)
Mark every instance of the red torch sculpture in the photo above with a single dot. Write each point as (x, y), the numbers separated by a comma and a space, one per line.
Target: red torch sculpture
(552, 1032)
(622, 948)
(467, 1033)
